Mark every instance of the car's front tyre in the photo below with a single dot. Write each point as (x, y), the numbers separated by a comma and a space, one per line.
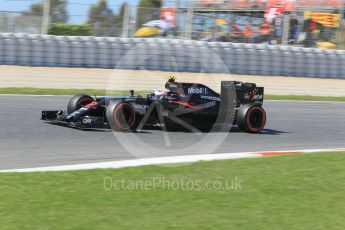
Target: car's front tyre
(78, 101)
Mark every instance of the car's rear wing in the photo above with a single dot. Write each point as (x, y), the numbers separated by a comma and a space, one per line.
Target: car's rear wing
(249, 93)
(233, 94)
(238, 93)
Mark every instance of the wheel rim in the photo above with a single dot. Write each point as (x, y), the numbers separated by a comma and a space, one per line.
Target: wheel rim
(256, 119)
(124, 116)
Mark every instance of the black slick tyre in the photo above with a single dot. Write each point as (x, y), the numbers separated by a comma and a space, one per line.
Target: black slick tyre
(121, 116)
(251, 118)
(78, 101)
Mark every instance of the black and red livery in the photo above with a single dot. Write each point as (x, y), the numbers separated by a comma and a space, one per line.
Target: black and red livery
(182, 104)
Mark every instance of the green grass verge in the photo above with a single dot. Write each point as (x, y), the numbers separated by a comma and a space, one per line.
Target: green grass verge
(37, 91)
(285, 192)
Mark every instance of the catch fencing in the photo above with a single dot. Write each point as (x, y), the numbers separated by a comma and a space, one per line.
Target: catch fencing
(170, 55)
(14, 22)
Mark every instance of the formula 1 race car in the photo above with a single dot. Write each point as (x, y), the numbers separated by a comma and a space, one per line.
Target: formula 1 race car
(181, 104)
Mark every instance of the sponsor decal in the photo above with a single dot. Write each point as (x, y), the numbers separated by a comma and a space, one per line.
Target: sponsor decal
(197, 90)
(210, 98)
(141, 107)
(87, 120)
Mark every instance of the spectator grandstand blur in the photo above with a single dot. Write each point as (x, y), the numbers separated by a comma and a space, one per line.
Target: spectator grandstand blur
(308, 23)
(315, 23)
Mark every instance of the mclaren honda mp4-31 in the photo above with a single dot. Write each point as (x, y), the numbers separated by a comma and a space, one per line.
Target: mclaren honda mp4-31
(180, 104)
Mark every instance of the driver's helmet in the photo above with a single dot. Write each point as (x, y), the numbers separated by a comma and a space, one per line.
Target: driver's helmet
(171, 86)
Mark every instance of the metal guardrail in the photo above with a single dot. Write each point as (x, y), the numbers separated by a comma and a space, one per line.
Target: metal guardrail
(170, 55)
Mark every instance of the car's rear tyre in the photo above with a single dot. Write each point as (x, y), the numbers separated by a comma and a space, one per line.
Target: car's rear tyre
(78, 101)
(121, 116)
(251, 118)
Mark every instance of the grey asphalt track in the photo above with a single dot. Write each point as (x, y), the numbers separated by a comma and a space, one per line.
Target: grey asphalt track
(26, 141)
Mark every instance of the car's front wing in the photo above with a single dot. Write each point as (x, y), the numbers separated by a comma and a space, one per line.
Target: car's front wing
(60, 117)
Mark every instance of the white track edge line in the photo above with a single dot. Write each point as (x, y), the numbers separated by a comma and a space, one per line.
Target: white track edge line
(163, 160)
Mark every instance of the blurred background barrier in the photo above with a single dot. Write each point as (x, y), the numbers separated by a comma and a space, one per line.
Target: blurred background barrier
(169, 55)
